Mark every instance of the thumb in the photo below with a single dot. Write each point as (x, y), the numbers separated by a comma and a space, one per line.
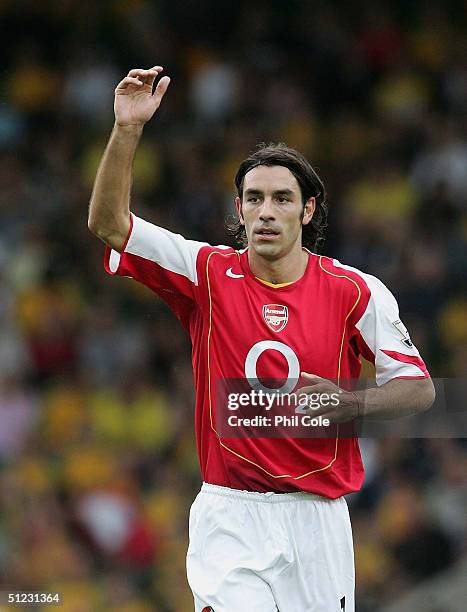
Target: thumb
(161, 88)
(311, 377)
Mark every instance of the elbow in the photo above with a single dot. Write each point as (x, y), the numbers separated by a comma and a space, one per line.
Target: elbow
(96, 228)
(428, 395)
(115, 237)
(92, 226)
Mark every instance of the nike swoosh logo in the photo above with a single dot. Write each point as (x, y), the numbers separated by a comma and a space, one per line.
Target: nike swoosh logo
(233, 275)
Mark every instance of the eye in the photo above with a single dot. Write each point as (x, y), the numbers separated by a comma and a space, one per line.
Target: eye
(282, 200)
(252, 199)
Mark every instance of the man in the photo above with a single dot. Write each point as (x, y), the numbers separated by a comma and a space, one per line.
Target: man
(270, 528)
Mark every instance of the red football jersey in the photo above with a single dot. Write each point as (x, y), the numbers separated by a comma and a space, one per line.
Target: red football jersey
(242, 327)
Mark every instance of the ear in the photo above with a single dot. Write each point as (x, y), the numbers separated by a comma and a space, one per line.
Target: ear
(238, 206)
(310, 207)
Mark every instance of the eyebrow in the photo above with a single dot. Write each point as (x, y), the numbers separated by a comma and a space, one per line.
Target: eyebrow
(287, 192)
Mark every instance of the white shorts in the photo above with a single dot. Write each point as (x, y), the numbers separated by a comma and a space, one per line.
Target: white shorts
(264, 552)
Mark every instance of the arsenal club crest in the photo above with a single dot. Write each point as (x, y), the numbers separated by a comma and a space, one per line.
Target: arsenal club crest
(276, 316)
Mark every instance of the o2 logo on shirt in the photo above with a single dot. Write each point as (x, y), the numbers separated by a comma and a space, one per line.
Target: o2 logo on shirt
(293, 366)
(276, 316)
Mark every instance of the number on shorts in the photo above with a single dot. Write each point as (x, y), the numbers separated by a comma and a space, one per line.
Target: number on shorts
(343, 603)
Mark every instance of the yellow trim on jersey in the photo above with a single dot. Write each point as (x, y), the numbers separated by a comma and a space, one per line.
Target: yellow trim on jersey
(340, 358)
(209, 330)
(277, 286)
(348, 314)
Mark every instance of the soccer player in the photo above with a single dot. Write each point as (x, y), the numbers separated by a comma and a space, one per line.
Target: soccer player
(270, 528)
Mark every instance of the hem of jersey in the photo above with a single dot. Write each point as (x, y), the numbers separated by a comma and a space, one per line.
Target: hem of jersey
(130, 231)
(409, 360)
(414, 377)
(258, 496)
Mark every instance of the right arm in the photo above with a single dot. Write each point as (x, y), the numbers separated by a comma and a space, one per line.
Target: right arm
(135, 104)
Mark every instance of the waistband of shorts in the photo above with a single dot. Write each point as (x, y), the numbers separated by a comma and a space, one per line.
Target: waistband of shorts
(256, 496)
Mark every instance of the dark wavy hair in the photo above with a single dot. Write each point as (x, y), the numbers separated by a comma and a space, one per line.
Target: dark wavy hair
(310, 186)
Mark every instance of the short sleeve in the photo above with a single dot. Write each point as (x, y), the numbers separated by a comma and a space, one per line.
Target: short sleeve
(163, 261)
(384, 340)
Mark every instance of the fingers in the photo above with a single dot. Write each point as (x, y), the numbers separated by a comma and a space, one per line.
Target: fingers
(315, 389)
(145, 72)
(338, 407)
(161, 88)
(325, 394)
(146, 76)
(139, 78)
(124, 83)
(311, 377)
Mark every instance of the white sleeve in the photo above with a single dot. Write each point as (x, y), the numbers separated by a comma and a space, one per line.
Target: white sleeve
(156, 257)
(385, 337)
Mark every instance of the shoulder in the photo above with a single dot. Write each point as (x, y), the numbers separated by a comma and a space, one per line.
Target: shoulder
(214, 260)
(365, 292)
(208, 251)
(366, 283)
(341, 275)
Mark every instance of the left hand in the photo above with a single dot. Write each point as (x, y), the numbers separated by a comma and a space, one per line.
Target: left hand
(348, 407)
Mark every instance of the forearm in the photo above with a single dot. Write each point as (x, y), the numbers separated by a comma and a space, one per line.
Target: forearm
(397, 398)
(109, 209)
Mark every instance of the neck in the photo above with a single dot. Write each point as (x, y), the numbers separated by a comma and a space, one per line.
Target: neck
(287, 269)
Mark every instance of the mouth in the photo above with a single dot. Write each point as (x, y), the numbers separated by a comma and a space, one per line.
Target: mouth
(266, 234)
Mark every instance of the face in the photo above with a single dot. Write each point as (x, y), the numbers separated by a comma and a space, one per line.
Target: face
(271, 211)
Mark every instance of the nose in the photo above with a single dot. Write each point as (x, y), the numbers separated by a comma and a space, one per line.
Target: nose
(266, 212)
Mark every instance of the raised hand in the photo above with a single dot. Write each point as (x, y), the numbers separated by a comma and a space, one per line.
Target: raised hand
(135, 102)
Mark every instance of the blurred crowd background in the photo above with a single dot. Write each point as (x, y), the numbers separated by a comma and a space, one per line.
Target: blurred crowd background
(98, 462)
